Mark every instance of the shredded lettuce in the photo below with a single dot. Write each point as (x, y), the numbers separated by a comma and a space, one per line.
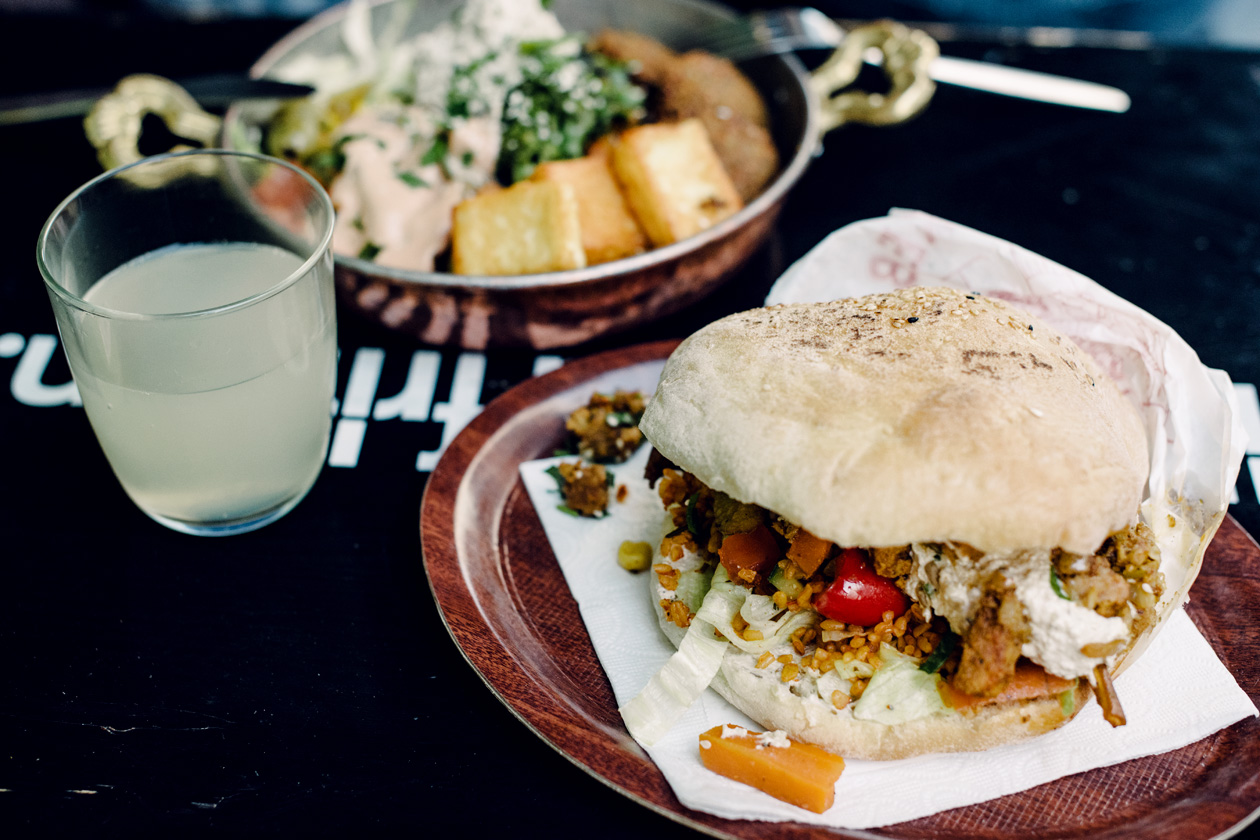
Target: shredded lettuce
(899, 691)
(692, 587)
(727, 599)
(652, 712)
(853, 669)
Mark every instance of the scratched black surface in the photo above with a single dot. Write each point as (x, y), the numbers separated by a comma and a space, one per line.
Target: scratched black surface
(298, 680)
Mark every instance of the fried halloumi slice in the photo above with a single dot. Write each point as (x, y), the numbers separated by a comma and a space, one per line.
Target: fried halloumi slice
(673, 179)
(609, 230)
(528, 228)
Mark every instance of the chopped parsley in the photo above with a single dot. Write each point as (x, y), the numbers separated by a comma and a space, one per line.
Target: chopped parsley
(437, 152)
(938, 656)
(1057, 585)
(325, 164)
(554, 472)
(369, 251)
(693, 519)
(411, 179)
(566, 99)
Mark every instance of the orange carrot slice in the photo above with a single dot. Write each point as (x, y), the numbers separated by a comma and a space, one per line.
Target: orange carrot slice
(807, 551)
(800, 774)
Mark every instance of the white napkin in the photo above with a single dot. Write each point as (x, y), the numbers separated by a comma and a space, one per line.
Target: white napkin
(1177, 693)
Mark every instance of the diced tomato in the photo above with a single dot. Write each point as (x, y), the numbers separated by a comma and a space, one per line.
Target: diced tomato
(757, 550)
(858, 595)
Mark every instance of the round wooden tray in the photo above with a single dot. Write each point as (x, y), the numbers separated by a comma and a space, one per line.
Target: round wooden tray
(506, 604)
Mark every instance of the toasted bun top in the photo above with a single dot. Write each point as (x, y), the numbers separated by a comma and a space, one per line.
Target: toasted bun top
(921, 415)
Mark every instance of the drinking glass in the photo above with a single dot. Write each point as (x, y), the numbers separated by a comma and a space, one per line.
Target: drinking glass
(193, 293)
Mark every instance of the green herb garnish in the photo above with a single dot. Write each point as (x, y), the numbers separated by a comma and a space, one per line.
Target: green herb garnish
(411, 179)
(554, 472)
(1057, 585)
(436, 153)
(938, 656)
(369, 251)
(325, 164)
(567, 98)
(568, 510)
(692, 523)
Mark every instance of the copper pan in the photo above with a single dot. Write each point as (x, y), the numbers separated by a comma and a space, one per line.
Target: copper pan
(564, 308)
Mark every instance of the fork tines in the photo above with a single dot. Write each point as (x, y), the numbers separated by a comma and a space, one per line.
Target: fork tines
(771, 32)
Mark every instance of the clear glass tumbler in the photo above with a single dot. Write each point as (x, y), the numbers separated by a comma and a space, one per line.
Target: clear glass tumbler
(194, 296)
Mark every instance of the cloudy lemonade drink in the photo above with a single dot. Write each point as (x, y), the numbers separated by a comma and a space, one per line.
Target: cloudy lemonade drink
(218, 416)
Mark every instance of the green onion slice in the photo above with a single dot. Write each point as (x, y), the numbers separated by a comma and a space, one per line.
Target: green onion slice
(1057, 585)
(938, 656)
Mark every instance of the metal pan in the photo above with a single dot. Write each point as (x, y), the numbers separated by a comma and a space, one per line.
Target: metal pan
(564, 308)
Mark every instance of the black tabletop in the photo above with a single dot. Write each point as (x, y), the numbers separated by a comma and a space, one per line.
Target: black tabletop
(299, 680)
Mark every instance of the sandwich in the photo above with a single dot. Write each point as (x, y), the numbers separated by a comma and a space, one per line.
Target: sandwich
(896, 524)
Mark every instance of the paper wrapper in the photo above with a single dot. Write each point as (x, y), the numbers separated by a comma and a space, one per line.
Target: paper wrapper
(1177, 694)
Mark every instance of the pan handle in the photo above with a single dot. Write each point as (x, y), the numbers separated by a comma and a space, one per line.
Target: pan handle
(113, 125)
(907, 55)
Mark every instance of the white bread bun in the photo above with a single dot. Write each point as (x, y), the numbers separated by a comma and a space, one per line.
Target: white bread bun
(761, 694)
(920, 415)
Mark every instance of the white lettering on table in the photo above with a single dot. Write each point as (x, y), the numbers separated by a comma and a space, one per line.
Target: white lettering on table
(416, 397)
(464, 404)
(28, 385)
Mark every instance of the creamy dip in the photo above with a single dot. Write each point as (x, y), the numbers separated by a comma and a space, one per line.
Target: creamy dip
(1059, 627)
(407, 166)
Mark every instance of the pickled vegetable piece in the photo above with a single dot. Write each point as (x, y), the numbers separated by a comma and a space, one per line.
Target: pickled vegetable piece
(794, 772)
(807, 551)
(755, 551)
(1030, 682)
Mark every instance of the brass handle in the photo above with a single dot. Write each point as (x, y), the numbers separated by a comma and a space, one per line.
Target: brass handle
(113, 125)
(908, 53)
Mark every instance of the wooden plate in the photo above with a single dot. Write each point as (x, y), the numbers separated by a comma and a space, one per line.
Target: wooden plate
(506, 604)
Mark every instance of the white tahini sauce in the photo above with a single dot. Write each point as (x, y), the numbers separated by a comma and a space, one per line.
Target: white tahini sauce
(395, 194)
(1059, 627)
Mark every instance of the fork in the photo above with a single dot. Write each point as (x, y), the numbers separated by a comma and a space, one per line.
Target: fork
(776, 31)
(772, 32)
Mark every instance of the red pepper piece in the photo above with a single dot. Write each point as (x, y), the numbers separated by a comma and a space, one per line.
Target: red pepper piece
(858, 595)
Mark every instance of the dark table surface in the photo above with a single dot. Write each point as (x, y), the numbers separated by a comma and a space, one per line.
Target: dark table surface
(298, 680)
